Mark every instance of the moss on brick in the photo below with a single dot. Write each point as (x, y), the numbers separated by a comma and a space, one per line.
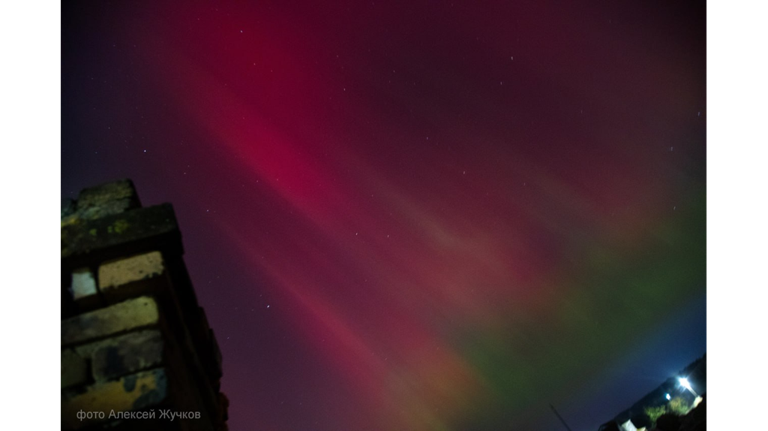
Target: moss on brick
(155, 224)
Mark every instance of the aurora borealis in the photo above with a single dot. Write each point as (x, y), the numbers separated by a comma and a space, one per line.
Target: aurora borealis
(416, 216)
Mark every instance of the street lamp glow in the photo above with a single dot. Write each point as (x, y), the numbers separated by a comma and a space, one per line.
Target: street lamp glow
(685, 383)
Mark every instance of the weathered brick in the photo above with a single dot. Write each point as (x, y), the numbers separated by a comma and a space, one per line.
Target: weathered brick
(135, 268)
(122, 317)
(116, 235)
(126, 354)
(133, 392)
(100, 201)
(107, 199)
(74, 369)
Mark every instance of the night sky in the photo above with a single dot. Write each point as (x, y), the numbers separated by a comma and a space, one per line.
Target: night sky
(416, 216)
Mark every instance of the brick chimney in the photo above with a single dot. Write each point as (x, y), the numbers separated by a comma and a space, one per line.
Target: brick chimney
(136, 349)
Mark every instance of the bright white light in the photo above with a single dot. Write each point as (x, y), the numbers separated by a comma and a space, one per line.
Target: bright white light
(668, 397)
(685, 383)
